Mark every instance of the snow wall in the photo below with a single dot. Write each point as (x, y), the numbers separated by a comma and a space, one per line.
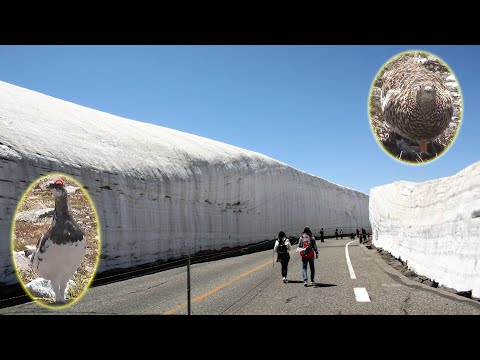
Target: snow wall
(433, 226)
(159, 193)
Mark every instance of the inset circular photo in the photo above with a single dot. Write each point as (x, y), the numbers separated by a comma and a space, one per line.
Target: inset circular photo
(415, 107)
(55, 241)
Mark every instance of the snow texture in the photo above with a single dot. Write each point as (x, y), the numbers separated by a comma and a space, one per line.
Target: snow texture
(34, 215)
(23, 263)
(433, 226)
(159, 193)
(42, 288)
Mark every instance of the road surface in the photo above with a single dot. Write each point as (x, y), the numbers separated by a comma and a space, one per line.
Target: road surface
(351, 279)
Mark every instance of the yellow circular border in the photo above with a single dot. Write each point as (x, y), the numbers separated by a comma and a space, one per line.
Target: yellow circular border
(370, 97)
(12, 247)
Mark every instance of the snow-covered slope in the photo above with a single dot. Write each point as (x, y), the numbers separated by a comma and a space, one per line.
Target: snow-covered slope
(160, 193)
(434, 226)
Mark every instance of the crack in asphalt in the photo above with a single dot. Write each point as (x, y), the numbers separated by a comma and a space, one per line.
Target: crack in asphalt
(289, 300)
(256, 287)
(406, 304)
(443, 295)
(398, 279)
(154, 286)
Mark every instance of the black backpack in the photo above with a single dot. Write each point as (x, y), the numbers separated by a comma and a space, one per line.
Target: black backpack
(282, 248)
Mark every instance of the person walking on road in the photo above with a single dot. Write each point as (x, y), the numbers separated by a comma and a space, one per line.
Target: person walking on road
(341, 234)
(364, 235)
(282, 247)
(322, 236)
(307, 247)
(336, 234)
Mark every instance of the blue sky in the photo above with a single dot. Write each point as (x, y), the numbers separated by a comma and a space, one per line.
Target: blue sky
(303, 105)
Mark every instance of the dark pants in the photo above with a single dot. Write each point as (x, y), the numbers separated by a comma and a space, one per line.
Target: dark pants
(284, 267)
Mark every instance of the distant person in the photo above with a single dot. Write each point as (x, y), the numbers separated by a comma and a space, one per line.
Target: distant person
(322, 238)
(358, 234)
(364, 235)
(282, 247)
(341, 234)
(307, 247)
(352, 236)
(336, 234)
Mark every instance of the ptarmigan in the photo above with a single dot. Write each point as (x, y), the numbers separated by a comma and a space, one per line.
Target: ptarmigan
(61, 249)
(415, 102)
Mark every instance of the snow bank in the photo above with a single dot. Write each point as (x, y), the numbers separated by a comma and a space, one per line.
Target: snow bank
(160, 193)
(434, 226)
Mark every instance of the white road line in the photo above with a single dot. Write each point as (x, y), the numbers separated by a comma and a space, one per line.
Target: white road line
(361, 295)
(350, 268)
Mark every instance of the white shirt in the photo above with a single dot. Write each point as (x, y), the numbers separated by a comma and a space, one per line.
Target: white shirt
(286, 242)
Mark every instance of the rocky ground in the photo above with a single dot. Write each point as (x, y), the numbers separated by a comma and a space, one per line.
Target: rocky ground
(34, 216)
(395, 144)
(401, 267)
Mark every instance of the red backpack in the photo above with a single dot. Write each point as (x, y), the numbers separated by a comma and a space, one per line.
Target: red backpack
(307, 244)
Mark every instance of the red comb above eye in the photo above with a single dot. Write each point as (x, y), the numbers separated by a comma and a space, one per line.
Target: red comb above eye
(59, 182)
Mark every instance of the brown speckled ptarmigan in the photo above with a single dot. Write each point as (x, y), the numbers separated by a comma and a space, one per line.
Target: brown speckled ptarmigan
(415, 102)
(61, 249)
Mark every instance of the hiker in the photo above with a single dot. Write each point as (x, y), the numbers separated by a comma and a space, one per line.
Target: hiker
(307, 246)
(341, 234)
(321, 236)
(282, 247)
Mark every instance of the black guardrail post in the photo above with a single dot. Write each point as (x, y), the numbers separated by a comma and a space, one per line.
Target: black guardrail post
(188, 286)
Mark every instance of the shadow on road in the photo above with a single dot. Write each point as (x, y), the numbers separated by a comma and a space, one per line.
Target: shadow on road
(310, 285)
(320, 285)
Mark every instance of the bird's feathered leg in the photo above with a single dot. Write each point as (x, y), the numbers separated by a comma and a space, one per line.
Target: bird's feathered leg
(62, 287)
(59, 295)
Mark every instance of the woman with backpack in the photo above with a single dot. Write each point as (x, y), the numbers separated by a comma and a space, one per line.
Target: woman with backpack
(307, 247)
(282, 247)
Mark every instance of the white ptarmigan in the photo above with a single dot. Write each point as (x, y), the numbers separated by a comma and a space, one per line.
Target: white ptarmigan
(61, 249)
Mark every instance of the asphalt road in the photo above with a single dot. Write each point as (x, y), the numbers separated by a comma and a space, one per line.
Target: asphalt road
(250, 284)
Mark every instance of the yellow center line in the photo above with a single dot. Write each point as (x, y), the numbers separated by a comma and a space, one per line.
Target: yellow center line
(218, 288)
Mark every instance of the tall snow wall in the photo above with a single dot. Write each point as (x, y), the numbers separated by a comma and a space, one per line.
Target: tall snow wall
(159, 193)
(433, 226)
